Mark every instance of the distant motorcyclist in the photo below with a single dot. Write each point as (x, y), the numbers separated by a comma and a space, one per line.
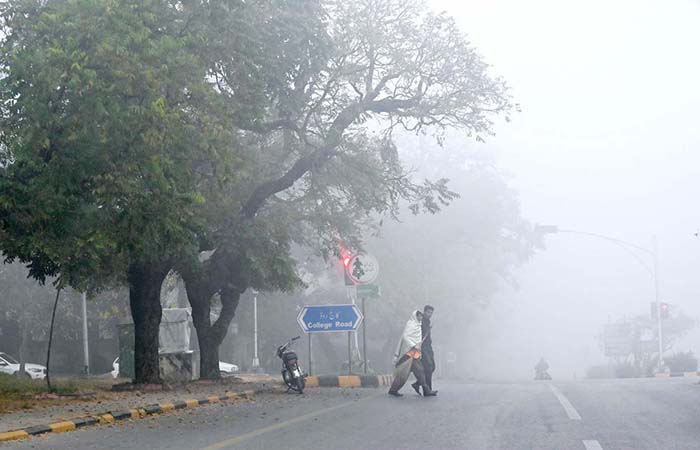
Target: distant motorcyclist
(541, 370)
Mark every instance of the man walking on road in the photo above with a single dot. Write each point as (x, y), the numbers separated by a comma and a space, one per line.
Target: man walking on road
(408, 354)
(427, 354)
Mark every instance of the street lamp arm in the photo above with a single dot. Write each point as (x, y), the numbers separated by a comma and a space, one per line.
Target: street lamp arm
(628, 247)
(622, 244)
(611, 239)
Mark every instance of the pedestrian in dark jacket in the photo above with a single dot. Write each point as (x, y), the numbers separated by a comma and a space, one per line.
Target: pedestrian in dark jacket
(427, 354)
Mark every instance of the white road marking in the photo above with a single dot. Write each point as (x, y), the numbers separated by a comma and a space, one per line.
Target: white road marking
(568, 407)
(592, 445)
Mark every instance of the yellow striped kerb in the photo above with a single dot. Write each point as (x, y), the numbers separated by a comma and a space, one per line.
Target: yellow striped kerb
(165, 407)
(349, 381)
(13, 435)
(60, 427)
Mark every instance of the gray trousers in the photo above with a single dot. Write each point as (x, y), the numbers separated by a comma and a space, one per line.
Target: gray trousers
(404, 367)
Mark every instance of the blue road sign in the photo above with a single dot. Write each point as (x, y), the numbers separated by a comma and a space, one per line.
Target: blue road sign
(329, 318)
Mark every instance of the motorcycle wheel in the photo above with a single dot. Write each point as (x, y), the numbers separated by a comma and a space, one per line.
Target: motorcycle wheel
(288, 381)
(300, 384)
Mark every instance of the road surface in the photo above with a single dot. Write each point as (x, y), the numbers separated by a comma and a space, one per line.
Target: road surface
(650, 414)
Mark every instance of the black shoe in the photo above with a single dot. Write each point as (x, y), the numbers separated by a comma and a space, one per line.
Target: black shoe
(430, 394)
(416, 387)
(395, 394)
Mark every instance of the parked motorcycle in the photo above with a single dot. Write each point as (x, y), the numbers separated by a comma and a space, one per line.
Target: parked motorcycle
(293, 376)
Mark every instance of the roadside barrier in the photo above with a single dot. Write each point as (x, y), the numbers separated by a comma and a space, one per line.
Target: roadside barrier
(348, 381)
(115, 416)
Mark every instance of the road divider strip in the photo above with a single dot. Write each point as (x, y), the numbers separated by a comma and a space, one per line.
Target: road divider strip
(568, 407)
(592, 445)
(111, 417)
(348, 381)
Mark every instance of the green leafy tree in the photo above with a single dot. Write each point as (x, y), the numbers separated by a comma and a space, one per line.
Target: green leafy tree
(320, 170)
(108, 123)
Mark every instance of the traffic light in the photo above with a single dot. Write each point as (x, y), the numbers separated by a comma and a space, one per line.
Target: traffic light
(345, 260)
(663, 308)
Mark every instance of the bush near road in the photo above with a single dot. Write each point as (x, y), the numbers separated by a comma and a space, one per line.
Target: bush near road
(682, 362)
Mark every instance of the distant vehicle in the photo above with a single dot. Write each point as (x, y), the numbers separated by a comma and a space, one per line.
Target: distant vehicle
(224, 367)
(10, 365)
(115, 368)
(227, 368)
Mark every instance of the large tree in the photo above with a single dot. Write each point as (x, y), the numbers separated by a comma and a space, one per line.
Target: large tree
(107, 124)
(326, 160)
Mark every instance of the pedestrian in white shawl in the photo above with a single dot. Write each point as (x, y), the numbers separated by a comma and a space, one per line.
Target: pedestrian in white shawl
(411, 337)
(408, 357)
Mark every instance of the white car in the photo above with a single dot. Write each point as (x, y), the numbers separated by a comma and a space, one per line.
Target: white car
(224, 367)
(227, 368)
(115, 368)
(10, 365)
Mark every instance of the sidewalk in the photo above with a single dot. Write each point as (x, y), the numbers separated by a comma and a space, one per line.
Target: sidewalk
(106, 401)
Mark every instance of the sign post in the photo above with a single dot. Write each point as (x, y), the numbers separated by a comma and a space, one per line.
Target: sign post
(330, 319)
(364, 337)
(349, 353)
(363, 270)
(310, 354)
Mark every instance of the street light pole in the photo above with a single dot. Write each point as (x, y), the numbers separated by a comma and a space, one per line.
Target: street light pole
(654, 271)
(655, 248)
(86, 354)
(256, 361)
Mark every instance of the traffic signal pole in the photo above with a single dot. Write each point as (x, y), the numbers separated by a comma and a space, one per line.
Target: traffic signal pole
(654, 271)
(655, 251)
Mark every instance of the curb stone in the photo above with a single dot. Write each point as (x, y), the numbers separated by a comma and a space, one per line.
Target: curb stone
(348, 381)
(115, 416)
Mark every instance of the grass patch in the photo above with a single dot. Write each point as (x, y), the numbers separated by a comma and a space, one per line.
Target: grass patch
(20, 393)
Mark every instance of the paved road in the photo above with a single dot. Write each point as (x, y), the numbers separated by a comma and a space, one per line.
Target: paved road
(611, 415)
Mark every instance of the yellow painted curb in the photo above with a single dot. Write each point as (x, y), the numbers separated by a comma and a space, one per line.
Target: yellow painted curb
(62, 427)
(167, 407)
(312, 381)
(349, 381)
(105, 419)
(13, 435)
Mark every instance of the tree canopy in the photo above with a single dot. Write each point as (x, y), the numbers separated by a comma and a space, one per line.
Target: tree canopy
(208, 137)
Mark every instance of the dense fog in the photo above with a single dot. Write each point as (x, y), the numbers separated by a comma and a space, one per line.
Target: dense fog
(607, 143)
(604, 142)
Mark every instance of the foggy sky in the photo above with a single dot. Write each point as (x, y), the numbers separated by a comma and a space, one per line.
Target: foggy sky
(608, 142)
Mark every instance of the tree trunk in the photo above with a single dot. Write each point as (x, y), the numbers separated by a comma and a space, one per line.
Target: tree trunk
(145, 281)
(210, 336)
